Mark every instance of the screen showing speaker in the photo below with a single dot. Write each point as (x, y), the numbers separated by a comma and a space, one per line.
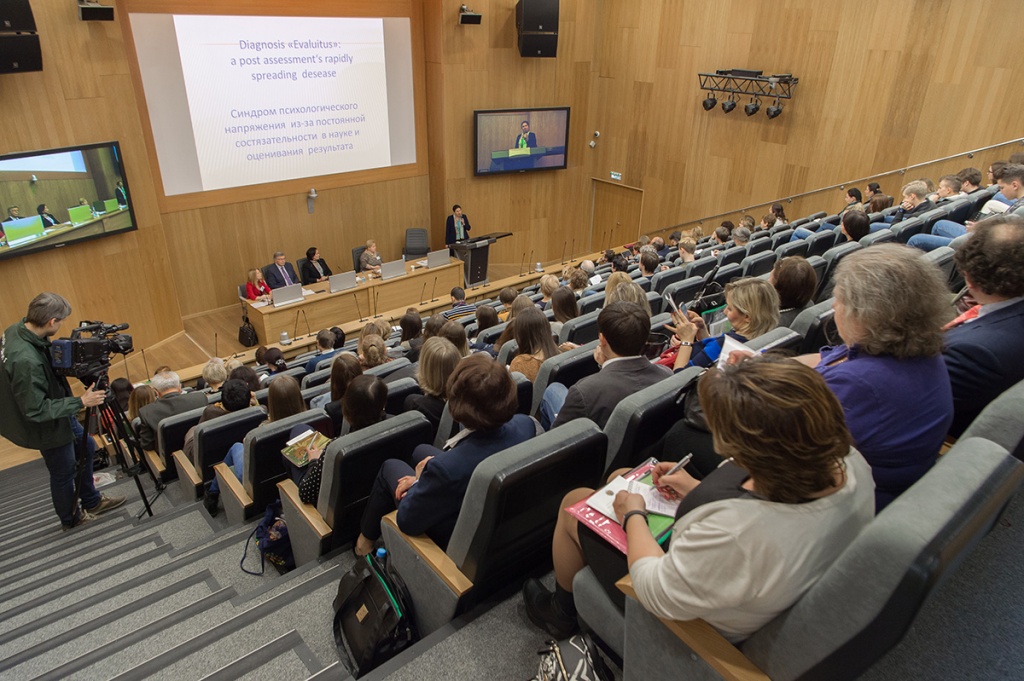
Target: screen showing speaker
(245, 100)
(520, 140)
(56, 197)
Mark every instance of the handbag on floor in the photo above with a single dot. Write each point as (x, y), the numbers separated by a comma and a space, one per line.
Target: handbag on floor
(575, 659)
(373, 619)
(272, 541)
(247, 333)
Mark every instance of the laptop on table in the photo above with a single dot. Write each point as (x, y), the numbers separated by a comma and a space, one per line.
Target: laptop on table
(286, 295)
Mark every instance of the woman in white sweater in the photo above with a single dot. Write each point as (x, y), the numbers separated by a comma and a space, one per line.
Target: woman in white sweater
(751, 537)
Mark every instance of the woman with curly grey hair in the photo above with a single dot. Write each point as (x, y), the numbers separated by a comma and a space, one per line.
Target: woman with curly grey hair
(889, 375)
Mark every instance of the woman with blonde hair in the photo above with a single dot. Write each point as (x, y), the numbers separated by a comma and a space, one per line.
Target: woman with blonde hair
(372, 351)
(255, 288)
(614, 280)
(438, 359)
(548, 285)
(631, 292)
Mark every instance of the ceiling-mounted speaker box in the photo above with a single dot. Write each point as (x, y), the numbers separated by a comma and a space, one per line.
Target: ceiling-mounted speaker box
(537, 28)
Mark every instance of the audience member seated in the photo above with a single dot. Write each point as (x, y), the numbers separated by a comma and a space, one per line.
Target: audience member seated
(171, 401)
(578, 282)
(983, 346)
(588, 267)
(460, 308)
(248, 375)
(274, 359)
(315, 269)
(411, 325)
(284, 399)
(372, 352)
(533, 336)
(616, 280)
(122, 389)
(344, 368)
(915, 202)
(432, 327)
(660, 248)
(880, 202)
(521, 303)
(482, 398)
(235, 396)
(630, 292)
(889, 374)
(687, 247)
(948, 190)
(370, 260)
(506, 297)
(339, 337)
(255, 288)
(649, 262)
(750, 538)
(1010, 179)
(752, 308)
(486, 318)
(456, 335)
(873, 189)
(563, 304)
(281, 273)
(780, 215)
(853, 226)
(548, 285)
(623, 329)
(795, 281)
(437, 362)
(620, 264)
(767, 222)
(362, 406)
(970, 180)
(854, 200)
(324, 349)
(260, 355)
(140, 397)
(214, 375)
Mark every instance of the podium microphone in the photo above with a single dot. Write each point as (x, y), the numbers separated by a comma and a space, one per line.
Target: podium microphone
(422, 290)
(561, 260)
(433, 290)
(358, 309)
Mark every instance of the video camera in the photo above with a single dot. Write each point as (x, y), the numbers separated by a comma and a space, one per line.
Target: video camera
(89, 358)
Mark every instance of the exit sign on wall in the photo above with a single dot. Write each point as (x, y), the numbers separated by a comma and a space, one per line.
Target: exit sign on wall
(616, 176)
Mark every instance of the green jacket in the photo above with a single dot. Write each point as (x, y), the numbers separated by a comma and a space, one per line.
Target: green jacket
(35, 402)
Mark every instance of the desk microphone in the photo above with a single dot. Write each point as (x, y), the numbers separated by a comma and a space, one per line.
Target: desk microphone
(215, 354)
(433, 290)
(145, 363)
(561, 260)
(358, 309)
(521, 265)
(295, 331)
(376, 297)
(306, 319)
(527, 271)
(422, 290)
(572, 249)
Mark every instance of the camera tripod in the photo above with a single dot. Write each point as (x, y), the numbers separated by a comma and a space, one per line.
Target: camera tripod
(112, 422)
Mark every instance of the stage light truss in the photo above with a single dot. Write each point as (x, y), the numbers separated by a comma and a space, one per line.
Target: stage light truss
(769, 87)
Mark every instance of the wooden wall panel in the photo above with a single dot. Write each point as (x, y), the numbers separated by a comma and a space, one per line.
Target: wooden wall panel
(84, 95)
(882, 86)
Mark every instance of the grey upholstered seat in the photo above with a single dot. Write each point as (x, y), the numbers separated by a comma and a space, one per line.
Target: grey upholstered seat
(214, 438)
(662, 279)
(832, 258)
(683, 292)
(417, 243)
(316, 378)
(589, 304)
(170, 433)
(817, 326)
(757, 264)
(566, 368)
(388, 368)
(779, 338)
(880, 237)
(398, 391)
(1001, 421)
(582, 329)
(943, 259)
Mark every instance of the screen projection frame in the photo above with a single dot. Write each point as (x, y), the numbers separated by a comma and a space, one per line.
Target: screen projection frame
(40, 176)
(408, 9)
(513, 113)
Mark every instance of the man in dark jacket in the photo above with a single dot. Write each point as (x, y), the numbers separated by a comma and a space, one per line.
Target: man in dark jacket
(37, 410)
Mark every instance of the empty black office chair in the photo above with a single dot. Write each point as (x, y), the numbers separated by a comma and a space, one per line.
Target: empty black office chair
(357, 252)
(417, 244)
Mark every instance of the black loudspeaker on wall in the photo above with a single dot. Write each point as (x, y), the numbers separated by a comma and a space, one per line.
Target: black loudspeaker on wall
(537, 28)
(19, 45)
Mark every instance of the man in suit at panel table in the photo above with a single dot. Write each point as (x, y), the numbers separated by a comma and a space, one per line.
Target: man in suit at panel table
(172, 401)
(983, 346)
(457, 227)
(281, 273)
(623, 329)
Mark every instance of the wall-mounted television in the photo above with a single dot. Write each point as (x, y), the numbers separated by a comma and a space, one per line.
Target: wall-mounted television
(520, 140)
(56, 197)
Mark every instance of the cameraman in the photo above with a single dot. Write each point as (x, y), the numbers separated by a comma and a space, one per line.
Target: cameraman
(37, 410)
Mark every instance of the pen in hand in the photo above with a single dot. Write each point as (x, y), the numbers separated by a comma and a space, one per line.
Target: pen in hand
(664, 489)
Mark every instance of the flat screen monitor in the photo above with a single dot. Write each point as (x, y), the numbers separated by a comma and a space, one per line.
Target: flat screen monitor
(520, 140)
(68, 185)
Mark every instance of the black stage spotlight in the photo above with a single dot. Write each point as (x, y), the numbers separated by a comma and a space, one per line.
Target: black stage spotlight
(775, 110)
(753, 107)
(728, 105)
(710, 103)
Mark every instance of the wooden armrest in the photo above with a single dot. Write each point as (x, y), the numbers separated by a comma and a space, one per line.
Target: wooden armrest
(289, 489)
(703, 639)
(227, 481)
(947, 444)
(434, 557)
(185, 465)
(156, 463)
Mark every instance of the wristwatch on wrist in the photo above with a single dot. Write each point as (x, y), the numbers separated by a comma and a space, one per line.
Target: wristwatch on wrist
(688, 344)
(625, 518)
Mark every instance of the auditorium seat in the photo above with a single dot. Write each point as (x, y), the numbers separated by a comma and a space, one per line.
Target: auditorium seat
(212, 440)
(1001, 423)
(960, 210)
(698, 268)
(566, 368)
(799, 222)
(310, 393)
(727, 273)
(880, 237)
(264, 466)
(582, 329)
(758, 264)
(858, 610)
(819, 242)
(655, 301)
(504, 527)
(832, 258)
(170, 437)
(644, 283)
(398, 391)
(326, 363)
(905, 229)
(662, 279)
(350, 467)
(789, 248)
(592, 303)
(489, 336)
(943, 259)
(819, 265)
(509, 349)
(779, 339)
(759, 245)
(524, 392)
(682, 292)
(731, 256)
(817, 326)
(817, 216)
(782, 237)
(417, 243)
(317, 377)
(388, 368)
(644, 417)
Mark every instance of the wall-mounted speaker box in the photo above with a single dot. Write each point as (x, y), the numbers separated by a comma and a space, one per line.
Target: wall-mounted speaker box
(537, 28)
(91, 11)
(16, 15)
(20, 52)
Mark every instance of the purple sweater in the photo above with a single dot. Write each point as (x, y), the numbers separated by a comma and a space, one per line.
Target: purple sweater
(898, 412)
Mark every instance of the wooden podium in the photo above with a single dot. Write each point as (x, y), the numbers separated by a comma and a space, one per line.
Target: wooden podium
(474, 254)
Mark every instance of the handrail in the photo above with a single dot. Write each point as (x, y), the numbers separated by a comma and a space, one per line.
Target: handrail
(843, 185)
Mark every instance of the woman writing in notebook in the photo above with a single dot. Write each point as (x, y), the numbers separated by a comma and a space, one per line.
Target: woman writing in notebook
(750, 538)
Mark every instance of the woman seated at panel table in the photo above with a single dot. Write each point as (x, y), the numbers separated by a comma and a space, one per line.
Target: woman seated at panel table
(751, 538)
(370, 260)
(315, 268)
(256, 289)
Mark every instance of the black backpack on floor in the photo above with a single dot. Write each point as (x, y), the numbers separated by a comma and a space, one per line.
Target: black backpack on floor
(373, 619)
